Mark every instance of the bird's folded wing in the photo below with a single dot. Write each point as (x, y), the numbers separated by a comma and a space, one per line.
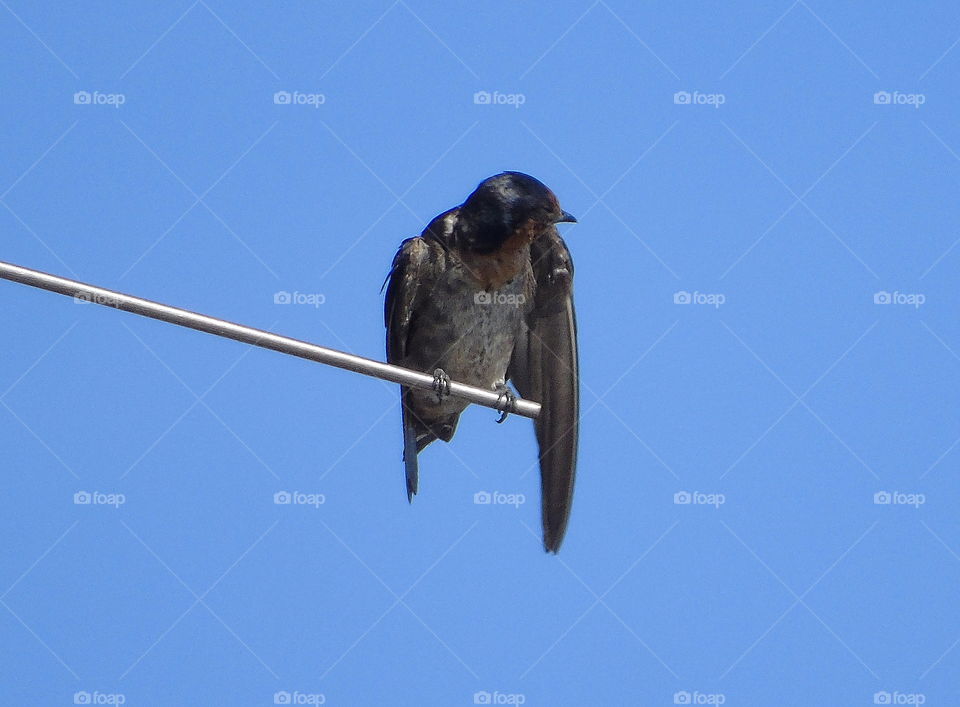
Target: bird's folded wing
(545, 368)
(402, 286)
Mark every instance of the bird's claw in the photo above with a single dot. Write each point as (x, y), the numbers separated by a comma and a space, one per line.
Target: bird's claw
(441, 384)
(505, 401)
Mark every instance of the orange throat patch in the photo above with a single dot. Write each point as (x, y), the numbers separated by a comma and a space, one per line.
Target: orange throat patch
(494, 270)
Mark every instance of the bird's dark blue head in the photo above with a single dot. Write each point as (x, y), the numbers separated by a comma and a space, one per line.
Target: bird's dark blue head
(503, 204)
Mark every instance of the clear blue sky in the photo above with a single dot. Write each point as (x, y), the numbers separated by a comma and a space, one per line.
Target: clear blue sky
(733, 155)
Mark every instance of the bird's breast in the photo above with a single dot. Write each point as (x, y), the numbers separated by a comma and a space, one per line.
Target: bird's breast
(468, 331)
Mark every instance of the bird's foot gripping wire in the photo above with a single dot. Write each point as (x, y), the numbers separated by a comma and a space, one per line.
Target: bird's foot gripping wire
(441, 384)
(505, 401)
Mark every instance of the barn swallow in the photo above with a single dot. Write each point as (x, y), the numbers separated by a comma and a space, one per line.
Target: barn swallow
(484, 296)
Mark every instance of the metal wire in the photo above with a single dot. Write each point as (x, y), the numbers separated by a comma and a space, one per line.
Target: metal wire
(255, 337)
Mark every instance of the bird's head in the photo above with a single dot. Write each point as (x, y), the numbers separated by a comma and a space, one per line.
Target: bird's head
(503, 204)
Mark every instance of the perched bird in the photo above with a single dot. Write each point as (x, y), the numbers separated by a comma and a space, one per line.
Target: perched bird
(485, 295)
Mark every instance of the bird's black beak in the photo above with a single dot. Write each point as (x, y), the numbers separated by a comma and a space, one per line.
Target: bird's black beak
(566, 218)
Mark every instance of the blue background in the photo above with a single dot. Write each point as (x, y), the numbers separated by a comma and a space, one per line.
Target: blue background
(798, 398)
